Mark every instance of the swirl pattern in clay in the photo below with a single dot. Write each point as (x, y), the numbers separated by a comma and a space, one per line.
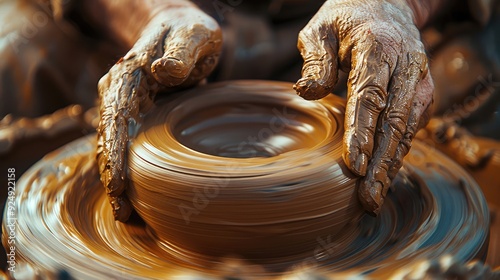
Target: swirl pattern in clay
(243, 164)
(64, 221)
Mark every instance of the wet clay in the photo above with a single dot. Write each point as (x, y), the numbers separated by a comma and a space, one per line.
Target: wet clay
(480, 157)
(65, 220)
(243, 162)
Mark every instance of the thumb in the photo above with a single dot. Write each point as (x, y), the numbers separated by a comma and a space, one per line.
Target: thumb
(184, 47)
(318, 47)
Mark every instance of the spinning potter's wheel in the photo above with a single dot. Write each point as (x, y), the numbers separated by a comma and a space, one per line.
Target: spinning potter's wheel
(64, 221)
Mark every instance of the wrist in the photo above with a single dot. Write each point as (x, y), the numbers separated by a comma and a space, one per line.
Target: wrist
(123, 22)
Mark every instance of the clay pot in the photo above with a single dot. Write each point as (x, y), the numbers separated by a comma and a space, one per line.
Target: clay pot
(243, 168)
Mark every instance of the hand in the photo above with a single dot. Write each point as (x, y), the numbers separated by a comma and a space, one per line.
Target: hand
(389, 86)
(179, 47)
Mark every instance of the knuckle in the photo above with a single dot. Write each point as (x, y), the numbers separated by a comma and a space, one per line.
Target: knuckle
(381, 169)
(418, 59)
(396, 122)
(387, 46)
(393, 171)
(363, 141)
(405, 144)
(373, 98)
(387, 34)
(396, 164)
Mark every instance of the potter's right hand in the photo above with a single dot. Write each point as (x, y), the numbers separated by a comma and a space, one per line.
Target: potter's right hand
(178, 48)
(389, 86)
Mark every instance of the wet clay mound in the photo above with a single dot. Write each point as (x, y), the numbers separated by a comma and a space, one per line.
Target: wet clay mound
(243, 169)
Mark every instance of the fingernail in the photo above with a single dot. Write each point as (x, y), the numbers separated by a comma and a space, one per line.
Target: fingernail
(170, 71)
(115, 186)
(121, 209)
(176, 68)
(301, 87)
(388, 184)
(361, 164)
(371, 197)
(310, 89)
(376, 194)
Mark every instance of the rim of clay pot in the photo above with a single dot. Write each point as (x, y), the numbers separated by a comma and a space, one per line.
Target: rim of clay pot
(240, 164)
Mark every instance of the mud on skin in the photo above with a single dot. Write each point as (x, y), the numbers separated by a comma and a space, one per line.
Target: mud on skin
(389, 87)
(158, 60)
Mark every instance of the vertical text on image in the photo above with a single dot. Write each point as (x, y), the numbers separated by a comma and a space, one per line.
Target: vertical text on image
(11, 219)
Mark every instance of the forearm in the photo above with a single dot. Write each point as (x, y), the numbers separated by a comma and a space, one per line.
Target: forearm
(123, 21)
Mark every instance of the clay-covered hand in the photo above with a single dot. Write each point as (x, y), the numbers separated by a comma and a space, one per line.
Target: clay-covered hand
(179, 47)
(389, 86)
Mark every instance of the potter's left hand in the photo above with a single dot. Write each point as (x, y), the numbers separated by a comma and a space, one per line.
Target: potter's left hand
(389, 87)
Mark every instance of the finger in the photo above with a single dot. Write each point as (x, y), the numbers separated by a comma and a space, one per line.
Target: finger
(391, 129)
(112, 137)
(318, 47)
(184, 47)
(367, 97)
(419, 117)
(123, 96)
(122, 208)
(110, 158)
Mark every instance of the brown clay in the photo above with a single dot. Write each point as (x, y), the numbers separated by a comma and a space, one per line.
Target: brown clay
(243, 162)
(84, 239)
